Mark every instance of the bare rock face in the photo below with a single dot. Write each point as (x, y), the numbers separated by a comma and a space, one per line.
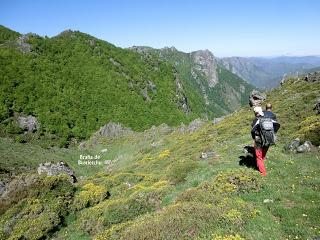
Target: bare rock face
(29, 123)
(52, 169)
(182, 99)
(113, 130)
(206, 64)
(256, 98)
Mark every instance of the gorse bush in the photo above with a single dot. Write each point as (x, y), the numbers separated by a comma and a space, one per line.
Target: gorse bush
(41, 207)
(310, 129)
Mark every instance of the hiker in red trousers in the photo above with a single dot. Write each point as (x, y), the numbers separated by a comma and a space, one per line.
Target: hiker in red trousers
(263, 133)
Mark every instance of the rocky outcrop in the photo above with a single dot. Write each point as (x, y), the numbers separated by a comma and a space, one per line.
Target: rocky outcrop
(22, 43)
(217, 120)
(205, 63)
(297, 147)
(256, 98)
(114, 62)
(210, 154)
(192, 127)
(317, 106)
(292, 147)
(312, 77)
(2, 186)
(52, 169)
(29, 123)
(113, 130)
(182, 99)
(306, 147)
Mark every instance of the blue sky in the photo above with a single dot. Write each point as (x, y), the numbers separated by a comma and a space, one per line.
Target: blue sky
(227, 28)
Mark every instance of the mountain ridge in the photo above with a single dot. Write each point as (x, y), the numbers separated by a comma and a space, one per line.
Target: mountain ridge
(55, 78)
(266, 73)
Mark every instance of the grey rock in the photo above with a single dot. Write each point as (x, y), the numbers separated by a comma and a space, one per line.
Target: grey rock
(149, 87)
(113, 130)
(313, 77)
(294, 145)
(182, 128)
(2, 186)
(155, 144)
(210, 154)
(22, 43)
(205, 64)
(144, 93)
(268, 200)
(104, 150)
(306, 147)
(152, 86)
(194, 125)
(161, 129)
(114, 62)
(82, 145)
(317, 106)
(180, 94)
(217, 120)
(256, 98)
(52, 169)
(29, 123)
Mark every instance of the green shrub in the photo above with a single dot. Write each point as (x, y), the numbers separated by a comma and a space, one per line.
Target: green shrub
(310, 129)
(235, 181)
(179, 170)
(40, 210)
(89, 195)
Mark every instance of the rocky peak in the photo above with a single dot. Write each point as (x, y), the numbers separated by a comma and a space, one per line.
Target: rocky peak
(172, 49)
(204, 63)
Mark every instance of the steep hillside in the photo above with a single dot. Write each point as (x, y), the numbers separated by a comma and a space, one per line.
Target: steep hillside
(190, 182)
(7, 34)
(70, 85)
(266, 73)
(211, 89)
(74, 84)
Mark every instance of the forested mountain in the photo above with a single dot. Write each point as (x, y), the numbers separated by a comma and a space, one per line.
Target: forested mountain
(74, 83)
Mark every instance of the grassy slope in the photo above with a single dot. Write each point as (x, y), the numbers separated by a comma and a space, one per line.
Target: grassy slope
(167, 192)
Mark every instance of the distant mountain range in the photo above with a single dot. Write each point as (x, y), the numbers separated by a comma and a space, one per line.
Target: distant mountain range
(266, 73)
(74, 83)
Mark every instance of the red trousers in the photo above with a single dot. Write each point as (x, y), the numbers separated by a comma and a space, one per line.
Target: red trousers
(260, 157)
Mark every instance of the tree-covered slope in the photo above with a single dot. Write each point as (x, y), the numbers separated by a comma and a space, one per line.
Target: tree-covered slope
(7, 34)
(160, 184)
(74, 83)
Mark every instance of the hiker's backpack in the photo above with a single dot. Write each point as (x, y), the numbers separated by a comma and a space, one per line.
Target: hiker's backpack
(267, 134)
